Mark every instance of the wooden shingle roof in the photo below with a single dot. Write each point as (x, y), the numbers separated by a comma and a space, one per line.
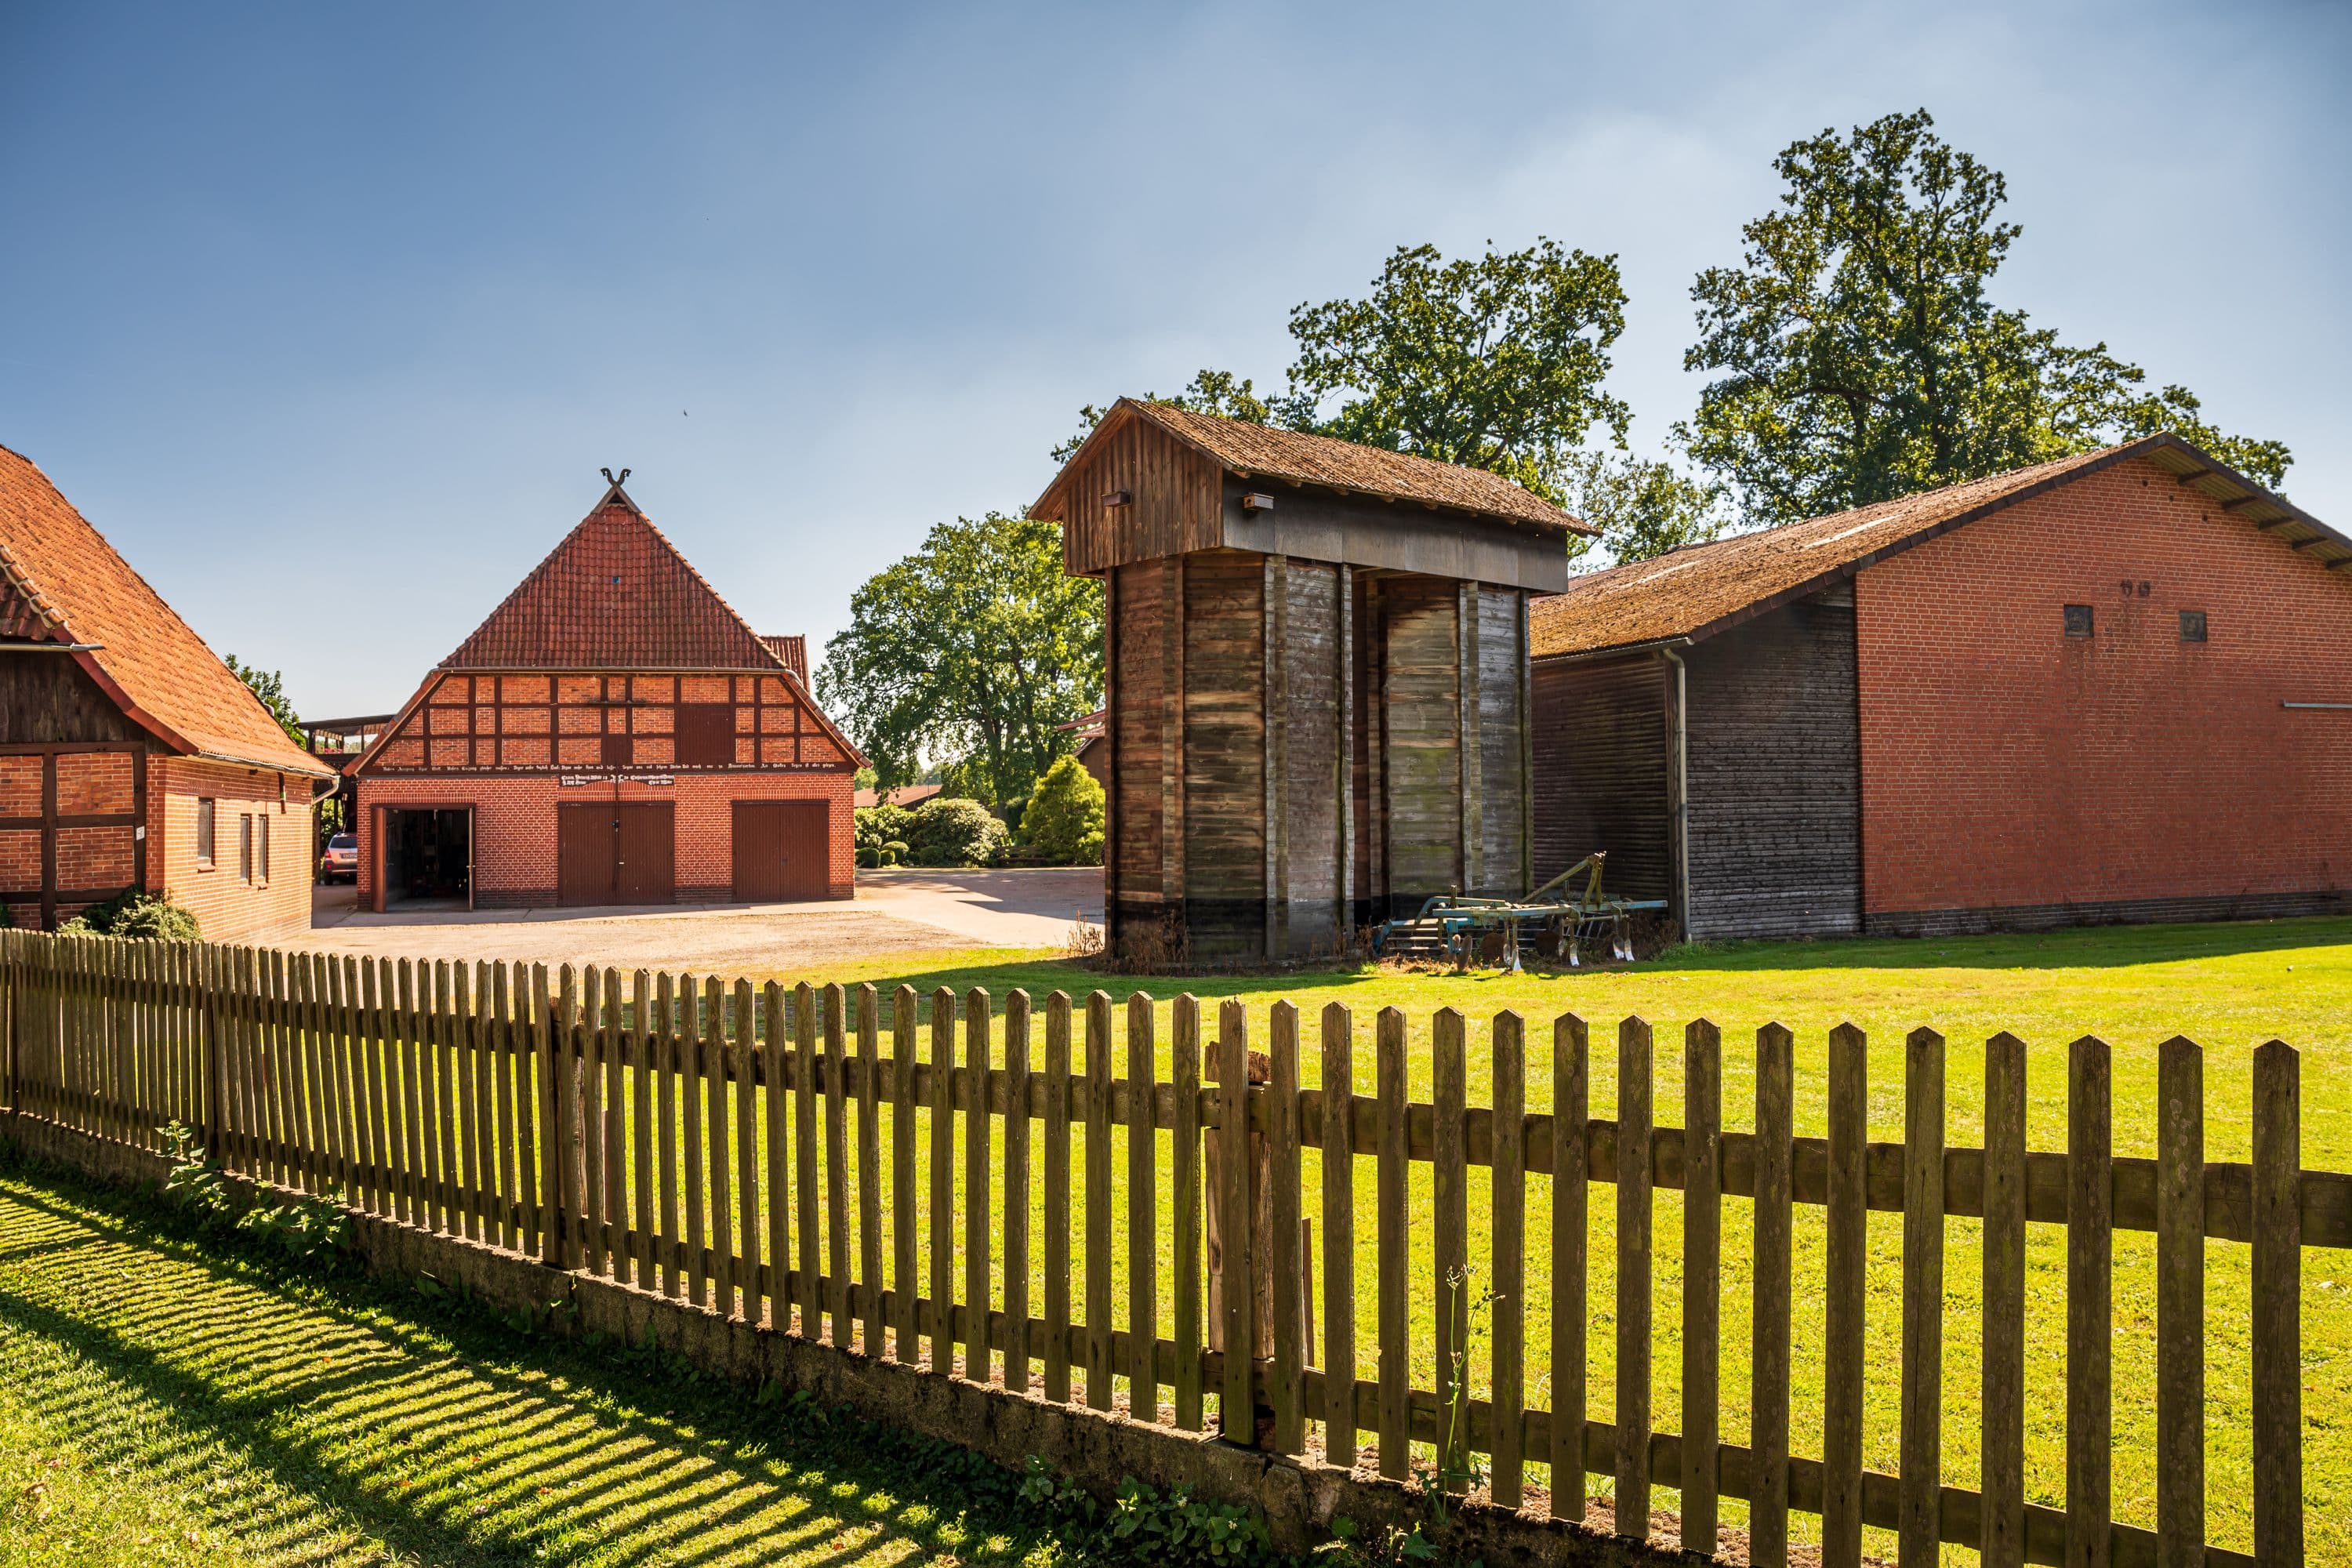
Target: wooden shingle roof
(61, 583)
(1694, 593)
(1251, 451)
(614, 593)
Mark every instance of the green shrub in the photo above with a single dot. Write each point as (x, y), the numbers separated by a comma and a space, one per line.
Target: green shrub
(881, 833)
(953, 832)
(137, 916)
(1065, 819)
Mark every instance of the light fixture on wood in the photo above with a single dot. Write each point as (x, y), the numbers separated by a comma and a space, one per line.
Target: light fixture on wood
(1115, 499)
(1257, 500)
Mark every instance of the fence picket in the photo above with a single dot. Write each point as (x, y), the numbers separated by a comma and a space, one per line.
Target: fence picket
(415, 1203)
(2180, 1304)
(534, 1090)
(836, 1162)
(2090, 1290)
(979, 1014)
(1142, 1214)
(1450, 1242)
(1338, 1236)
(805, 1156)
(2277, 1329)
(942, 1315)
(689, 1057)
(1236, 1279)
(1508, 1379)
(445, 1079)
(869, 1163)
(1017, 1348)
(1702, 1280)
(666, 1089)
(2001, 1464)
(1634, 1283)
(741, 1068)
(905, 1331)
(1057, 1197)
(1281, 1206)
(595, 1038)
(1099, 1362)
(1847, 1256)
(1184, 1196)
(712, 1064)
(1920, 1470)
(644, 1063)
(1394, 1236)
(621, 1029)
(774, 1065)
(1769, 1313)
(1571, 1135)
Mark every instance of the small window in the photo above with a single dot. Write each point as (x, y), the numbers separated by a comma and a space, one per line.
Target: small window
(245, 846)
(2192, 625)
(261, 847)
(618, 751)
(203, 836)
(2078, 620)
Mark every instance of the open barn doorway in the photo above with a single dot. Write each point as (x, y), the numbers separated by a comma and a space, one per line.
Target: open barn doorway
(428, 858)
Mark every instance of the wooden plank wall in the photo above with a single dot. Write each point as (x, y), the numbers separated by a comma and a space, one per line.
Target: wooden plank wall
(1601, 770)
(1174, 497)
(1135, 867)
(1224, 740)
(1421, 724)
(1775, 765)
(1502, 866)
(1312, 655)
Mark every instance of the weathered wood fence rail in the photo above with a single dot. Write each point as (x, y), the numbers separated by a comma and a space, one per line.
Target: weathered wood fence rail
(697, 1138)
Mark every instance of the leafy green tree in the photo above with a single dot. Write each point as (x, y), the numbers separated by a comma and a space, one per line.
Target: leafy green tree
(1209, 392)
(1643, 507)
(968, 655)
(1064, 818)
(1495, 363)
(1858, 353)
(270, 685)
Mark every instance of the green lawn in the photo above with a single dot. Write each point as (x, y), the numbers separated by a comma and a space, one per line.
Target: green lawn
(158, 1405)
(2229, 987)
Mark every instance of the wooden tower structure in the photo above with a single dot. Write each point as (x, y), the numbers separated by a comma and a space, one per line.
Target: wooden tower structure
(1317, 676)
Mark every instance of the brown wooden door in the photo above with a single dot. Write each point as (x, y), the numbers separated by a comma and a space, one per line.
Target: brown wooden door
(608, 852)
(781, 850)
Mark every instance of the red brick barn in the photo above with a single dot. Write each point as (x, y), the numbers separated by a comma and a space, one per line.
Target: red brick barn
(614, 733)
(130, 756)
(2116, 687)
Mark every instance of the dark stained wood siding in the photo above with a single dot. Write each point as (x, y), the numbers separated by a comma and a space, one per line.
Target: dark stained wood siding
(1224, 755)
(1308, 718)
(1775, 770)
(47, 700)
(1135, 731)
(1423, 726)
(1603, 769)
(1174, 501)
(1502, 810)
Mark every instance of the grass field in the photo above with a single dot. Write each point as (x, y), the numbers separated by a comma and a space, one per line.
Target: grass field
(2229, 987)
(158, 1405)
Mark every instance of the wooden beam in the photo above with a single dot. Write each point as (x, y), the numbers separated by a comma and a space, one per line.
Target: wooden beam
(1343, 652)
(1274, 694)
(48, 841)
(2236, 502)
(1466, 698)
(2193, 476)
(1110, 754)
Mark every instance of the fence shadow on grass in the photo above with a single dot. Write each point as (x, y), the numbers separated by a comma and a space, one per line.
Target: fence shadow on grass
(2075, 947)
(434, 1443)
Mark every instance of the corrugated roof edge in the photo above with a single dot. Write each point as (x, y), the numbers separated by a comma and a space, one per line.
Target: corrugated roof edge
(1139, 408)
(2209, 468)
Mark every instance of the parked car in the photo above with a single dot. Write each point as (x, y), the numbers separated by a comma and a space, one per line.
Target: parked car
(341, 863)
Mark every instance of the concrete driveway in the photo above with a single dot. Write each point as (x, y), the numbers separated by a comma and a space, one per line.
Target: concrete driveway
(894, 911)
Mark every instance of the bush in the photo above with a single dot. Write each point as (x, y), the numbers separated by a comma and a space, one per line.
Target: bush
(946, 832)
(139, 917)
(1065, 819)
(881, 833)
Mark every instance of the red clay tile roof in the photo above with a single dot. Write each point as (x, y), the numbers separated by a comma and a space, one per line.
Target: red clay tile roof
(64, 582)
(1705, 588)
(792, 649)
(1251, 450)
(614, 595)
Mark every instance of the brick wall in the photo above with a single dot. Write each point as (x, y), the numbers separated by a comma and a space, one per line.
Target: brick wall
(228, 908)
(2006, 767)
(514, 826)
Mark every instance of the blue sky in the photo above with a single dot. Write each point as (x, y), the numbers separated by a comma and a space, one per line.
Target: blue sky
(329, 315)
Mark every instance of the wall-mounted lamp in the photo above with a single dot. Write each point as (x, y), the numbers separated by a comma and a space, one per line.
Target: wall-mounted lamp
(1116, 499)
(1258, 501)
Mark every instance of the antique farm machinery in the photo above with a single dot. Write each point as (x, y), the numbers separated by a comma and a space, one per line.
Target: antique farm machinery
(1575, 919)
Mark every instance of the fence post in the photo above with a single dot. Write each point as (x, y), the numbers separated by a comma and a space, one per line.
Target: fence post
(1241, 1321)
(553, 1030)
(214, 1071)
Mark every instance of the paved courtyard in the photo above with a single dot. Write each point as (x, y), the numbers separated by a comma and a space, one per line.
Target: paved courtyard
(894, 911)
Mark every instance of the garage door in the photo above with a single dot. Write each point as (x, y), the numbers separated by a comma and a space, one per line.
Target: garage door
(780, 851)
(614, 854)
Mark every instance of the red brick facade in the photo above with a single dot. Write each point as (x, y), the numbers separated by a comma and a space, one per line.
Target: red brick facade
(514, 826)
(2007, 766)
(229, 904)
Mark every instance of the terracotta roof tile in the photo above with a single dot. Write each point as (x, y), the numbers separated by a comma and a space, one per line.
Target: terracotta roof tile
(64, 582)
(792, 649)
(1263, 449)
(614, 594)
(1697, 590)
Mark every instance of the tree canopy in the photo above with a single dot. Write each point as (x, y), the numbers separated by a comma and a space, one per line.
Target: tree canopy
(1859, 355)
(270, 685)
(967, 656)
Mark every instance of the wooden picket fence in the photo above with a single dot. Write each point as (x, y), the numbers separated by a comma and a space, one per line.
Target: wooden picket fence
(631, 1130)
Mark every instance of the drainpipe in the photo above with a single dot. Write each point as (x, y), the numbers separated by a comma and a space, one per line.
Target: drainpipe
(1679, 789)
